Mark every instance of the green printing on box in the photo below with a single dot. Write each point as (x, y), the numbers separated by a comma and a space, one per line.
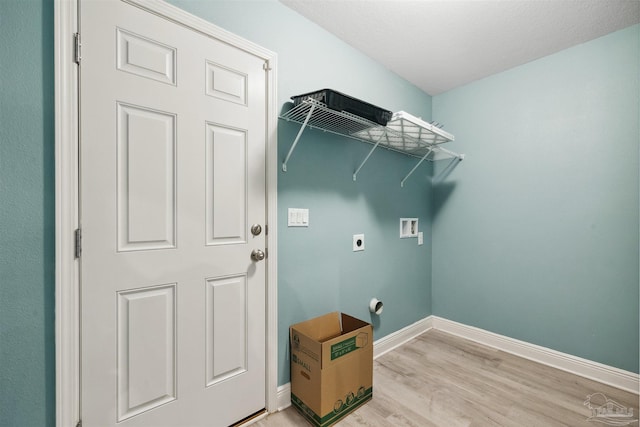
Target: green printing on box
(341, 408)
(343, 347)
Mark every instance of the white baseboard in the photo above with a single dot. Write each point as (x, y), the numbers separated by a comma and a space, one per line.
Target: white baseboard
(400, 337)
(284, 396)
(605, 374)
(599, 372)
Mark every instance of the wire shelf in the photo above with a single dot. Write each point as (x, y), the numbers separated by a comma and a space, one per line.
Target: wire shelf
(404, 133)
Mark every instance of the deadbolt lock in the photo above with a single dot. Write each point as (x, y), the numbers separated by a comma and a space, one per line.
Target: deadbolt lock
(256, 229)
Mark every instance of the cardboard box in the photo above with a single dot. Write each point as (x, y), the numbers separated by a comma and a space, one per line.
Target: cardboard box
(331, 367)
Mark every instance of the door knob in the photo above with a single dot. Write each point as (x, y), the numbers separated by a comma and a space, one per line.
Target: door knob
(257, 255)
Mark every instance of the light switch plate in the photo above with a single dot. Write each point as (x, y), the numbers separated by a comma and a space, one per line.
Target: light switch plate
(420, 238)
(298, 217)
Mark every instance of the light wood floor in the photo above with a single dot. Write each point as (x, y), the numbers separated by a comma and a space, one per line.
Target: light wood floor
(441, 380)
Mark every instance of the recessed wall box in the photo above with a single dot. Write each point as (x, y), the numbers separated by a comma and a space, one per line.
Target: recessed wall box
(408, 227)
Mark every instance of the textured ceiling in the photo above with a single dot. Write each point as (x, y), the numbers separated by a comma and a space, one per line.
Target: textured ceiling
(439, 45)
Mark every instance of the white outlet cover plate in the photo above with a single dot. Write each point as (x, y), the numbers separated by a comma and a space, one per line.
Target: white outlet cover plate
(420, 238)
(358, 242)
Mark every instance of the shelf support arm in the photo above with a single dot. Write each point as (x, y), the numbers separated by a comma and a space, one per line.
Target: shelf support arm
(447, 170)
(295, 141)
(416, 166)
(382, 135)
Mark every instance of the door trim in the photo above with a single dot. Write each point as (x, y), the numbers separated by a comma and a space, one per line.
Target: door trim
(67, 276)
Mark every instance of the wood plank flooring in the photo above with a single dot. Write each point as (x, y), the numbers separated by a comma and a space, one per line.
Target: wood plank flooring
(438, 379)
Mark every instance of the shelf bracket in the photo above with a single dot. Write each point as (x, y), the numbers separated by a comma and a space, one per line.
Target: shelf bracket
(416, 166)
(448, 169)
(295, 141)
(382, 135)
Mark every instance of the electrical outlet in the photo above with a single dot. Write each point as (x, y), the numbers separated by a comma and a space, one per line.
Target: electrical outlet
(358, 242)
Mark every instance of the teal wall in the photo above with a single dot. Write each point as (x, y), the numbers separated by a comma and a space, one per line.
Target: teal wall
(317, 270)
(536, 233)
(27, 351)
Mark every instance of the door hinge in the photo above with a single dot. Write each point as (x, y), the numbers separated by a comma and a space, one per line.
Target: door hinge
(266, 66)
(79, 424)
(77, 53)
(78, 243)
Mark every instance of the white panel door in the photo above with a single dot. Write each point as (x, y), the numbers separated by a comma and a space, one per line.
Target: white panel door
(172, 178)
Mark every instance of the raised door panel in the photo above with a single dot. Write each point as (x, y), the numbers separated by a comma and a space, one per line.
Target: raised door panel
(226, 185)
(226, 329)
(225, 83)
(146, 341)
(146, 173)
(145, 57)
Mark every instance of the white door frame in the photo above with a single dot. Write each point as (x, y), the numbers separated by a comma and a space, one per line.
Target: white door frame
(67, 202)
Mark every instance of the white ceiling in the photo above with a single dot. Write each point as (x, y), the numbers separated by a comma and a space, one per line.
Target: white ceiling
(439, 45)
